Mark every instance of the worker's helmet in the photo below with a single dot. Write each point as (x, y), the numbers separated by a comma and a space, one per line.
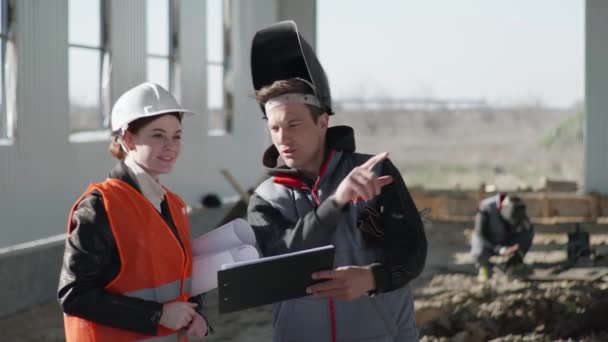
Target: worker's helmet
(144, 100)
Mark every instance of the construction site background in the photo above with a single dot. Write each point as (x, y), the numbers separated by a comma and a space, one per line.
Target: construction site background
(451, 159)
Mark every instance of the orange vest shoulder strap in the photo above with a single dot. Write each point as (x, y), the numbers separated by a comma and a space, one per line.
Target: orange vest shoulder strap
(90, 188)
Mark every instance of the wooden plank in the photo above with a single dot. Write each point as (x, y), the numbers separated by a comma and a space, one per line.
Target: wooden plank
(562, 206)
(575, 273)
(558, 185)
(596, 205)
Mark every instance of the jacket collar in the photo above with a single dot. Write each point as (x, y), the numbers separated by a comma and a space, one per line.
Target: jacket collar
(121, 172)
(150, 187)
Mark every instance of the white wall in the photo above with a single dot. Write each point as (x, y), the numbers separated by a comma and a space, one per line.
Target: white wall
(42, 172)
(37, 171)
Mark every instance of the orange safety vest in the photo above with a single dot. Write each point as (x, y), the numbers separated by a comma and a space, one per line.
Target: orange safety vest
(154, 266)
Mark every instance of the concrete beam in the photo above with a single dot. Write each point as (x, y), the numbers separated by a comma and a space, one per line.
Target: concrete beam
(30, 273)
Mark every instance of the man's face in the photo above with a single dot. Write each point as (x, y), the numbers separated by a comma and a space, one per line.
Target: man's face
(296, 136)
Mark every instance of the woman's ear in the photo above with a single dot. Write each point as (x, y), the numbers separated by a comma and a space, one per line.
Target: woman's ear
(127, 139)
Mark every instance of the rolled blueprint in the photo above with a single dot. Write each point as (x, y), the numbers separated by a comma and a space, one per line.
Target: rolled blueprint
(230, 243)
(233, 234)
(206, 266)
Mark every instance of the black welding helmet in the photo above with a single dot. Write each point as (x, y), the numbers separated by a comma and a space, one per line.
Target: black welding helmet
(279, 52)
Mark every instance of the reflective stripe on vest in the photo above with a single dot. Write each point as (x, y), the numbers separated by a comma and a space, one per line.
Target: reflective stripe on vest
(163, 293)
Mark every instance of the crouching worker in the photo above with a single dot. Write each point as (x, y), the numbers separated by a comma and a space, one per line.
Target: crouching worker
(502, 227)
(127, 263)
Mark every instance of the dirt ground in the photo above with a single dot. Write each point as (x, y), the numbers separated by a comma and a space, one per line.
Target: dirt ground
(450, 304)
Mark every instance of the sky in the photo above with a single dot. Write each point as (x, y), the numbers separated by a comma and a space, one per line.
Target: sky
(507, 52)
(503, 51)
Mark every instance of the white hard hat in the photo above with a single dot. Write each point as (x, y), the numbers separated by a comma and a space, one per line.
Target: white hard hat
(144, 100)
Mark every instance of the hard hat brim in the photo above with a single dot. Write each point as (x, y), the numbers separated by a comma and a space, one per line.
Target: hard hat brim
(124, 125)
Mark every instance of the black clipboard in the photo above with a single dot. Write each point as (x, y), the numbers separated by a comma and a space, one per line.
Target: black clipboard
(272, 279)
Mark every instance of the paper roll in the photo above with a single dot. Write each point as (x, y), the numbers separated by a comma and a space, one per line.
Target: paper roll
(233, 234)
(205, 267)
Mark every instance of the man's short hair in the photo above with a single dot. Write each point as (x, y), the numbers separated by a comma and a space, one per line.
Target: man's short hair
(278, 88)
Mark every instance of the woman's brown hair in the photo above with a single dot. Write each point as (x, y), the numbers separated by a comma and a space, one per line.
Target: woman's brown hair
(116, 150)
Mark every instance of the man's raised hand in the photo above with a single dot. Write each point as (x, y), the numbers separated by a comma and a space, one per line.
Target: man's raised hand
(362, 182)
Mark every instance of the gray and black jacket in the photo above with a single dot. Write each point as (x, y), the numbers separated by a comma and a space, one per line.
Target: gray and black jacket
(289, 213)
(491, 230)
(490, 227)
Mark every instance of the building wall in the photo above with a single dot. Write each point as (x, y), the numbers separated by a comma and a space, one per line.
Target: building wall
(596, 88)
(43, 170)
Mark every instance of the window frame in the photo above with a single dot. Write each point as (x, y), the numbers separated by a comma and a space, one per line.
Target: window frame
(103, 122)
(173, 41)
(226, 111)
(7, 120)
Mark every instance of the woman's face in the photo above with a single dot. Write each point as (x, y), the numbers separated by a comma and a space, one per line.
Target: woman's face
(156, 146)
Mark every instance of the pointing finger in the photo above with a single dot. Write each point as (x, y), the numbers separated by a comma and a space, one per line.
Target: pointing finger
(373, 161)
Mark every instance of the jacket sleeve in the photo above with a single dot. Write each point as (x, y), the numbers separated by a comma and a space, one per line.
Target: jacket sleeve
(90, 262)
(404, 242)
(482, 230)
(277, 235)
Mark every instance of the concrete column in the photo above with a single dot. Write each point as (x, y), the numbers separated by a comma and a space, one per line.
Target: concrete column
(127, 45)
(304, 13)
(596, 93)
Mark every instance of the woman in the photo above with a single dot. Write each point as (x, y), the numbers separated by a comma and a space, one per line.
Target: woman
(127, 262)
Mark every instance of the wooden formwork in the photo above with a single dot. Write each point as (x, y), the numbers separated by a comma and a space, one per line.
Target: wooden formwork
(543, 207)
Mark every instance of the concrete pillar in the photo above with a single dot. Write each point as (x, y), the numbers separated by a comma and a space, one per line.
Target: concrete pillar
(596, 93)
(127, 45)
(304, 13)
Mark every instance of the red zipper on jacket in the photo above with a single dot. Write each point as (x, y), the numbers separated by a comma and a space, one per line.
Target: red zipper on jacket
(332, 313)
(297, 183)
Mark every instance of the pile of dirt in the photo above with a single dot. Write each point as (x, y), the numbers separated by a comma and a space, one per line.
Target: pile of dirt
(456, 307)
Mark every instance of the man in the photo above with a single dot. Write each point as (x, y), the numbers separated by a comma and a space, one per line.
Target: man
(502, 227)
(322, 192)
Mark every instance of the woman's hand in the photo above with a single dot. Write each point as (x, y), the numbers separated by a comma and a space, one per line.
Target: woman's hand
(198, 327)
(177, 315)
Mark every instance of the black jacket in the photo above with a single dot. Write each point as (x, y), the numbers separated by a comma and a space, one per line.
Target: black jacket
(91, 261)
(403, 239)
